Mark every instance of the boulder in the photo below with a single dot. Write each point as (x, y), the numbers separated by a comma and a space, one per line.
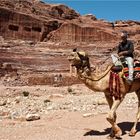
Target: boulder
(32, 117)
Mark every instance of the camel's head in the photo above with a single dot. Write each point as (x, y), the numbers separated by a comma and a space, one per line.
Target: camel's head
(79, 59)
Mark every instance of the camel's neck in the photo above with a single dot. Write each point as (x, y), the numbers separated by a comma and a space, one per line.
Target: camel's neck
(94, 81)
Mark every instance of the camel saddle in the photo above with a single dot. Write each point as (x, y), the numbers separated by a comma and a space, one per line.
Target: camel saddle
(124, 68)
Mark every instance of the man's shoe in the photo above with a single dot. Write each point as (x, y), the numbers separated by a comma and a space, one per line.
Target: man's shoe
(129, 81)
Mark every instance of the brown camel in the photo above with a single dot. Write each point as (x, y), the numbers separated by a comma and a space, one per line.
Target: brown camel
(101, 83)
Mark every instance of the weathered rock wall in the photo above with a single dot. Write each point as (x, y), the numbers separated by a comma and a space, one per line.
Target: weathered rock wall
(39, 21)
(40, 9)
(31, 20)
(70, 32)
(21, 26)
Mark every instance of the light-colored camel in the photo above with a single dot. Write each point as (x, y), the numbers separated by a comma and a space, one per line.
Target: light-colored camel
(101, 83)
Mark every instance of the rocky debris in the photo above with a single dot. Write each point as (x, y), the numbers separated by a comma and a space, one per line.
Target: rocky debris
(102, 102)
(17, 99)
(3, 102)
(32, 117)
(4, 114)
(88, 114)
(64, 114)
(15, 106)
(46, 101)
(56, 96)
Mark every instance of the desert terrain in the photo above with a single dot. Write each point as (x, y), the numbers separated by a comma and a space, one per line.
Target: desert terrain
(70, 112)
(40, 99)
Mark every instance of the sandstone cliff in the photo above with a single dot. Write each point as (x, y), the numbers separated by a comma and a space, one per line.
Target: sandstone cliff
(36, 38)
(38, 21)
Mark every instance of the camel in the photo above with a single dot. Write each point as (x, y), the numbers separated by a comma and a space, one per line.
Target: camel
(100, 83)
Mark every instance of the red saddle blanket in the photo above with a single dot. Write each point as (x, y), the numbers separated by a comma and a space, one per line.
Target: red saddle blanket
(136, 69)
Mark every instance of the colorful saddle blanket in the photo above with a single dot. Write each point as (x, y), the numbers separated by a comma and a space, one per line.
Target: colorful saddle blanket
(136, 69)
(114, 81)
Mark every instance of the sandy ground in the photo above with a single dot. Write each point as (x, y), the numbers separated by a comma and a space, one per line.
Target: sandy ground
(63, 123)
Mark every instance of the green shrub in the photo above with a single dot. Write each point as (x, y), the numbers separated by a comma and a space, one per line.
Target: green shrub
(25, 93)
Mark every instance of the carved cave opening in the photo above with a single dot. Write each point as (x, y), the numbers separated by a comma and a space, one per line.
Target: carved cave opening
(28, 29)
(36, 29)
(13, 27)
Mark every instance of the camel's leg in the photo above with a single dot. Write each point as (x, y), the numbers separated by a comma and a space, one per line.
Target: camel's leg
(109, 100)
(110, 103)
(133, 130)
(112, 118)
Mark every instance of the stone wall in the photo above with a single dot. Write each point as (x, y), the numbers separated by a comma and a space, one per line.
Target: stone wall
(38, 21)
(21, 26)
(70, 32)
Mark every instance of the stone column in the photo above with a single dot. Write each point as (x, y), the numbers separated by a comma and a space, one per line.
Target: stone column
(73, 71)
(70, 69)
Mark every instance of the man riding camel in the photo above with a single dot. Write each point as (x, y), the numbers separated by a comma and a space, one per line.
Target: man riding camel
(125, 51)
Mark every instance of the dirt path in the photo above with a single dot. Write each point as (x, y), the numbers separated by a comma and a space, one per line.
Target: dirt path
(77, 116)
(65, 126)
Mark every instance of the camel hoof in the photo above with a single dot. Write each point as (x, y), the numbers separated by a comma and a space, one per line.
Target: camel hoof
(109, 137)
(118, 134)
(132, 133)
(112, 133)
(113, 137)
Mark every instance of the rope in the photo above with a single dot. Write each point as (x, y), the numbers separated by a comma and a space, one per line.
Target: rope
(99, 77)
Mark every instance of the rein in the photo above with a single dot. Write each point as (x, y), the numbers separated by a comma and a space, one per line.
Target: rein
(98, 78)
(88, 66)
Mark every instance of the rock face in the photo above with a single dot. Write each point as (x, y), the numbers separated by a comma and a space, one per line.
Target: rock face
(38, 21)
(31, 20)
(21, 26)
(16, 25)
(36, 38)
(7, 69)
(70, 32)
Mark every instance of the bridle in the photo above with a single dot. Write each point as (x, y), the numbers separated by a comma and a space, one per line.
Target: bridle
(85, 65)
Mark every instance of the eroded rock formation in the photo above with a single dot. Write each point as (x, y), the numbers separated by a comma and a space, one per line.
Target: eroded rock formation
(30, 20)
(36, 38)
(38, 21)
(70, 32)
